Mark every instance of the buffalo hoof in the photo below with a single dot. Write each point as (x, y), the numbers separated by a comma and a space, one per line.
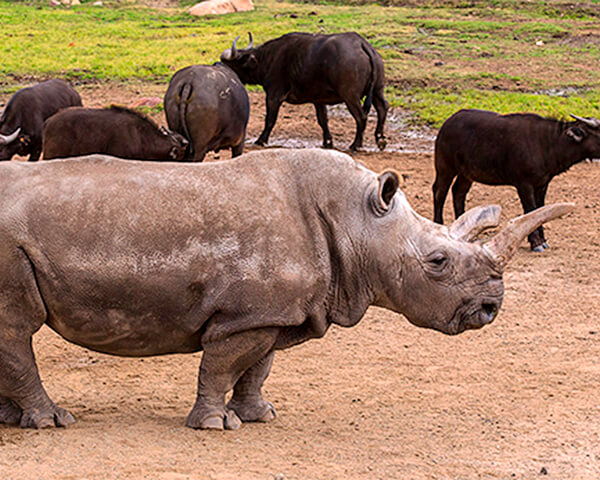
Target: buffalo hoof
(262, 412)
(260, 142)
(57, 417)
(9, 411)
(328, 145)
(215, 421)
(537, 249)
(381, 143)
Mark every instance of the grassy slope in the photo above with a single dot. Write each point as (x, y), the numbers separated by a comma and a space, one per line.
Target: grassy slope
(439, 58)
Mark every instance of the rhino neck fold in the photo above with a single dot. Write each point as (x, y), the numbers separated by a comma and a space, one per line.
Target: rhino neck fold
(349, 293)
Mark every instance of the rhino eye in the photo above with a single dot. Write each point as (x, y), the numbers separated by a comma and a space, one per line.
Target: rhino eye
(437, 260)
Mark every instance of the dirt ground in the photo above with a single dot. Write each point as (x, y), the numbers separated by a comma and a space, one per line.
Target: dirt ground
(383, 400)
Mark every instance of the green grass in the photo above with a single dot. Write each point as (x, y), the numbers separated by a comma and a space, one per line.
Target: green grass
(440, 55)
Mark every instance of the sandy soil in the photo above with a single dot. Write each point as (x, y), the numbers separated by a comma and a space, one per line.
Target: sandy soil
(518, 399)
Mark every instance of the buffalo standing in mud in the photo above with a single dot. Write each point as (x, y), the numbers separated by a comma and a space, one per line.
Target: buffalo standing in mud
(522, 150)
(319, 69)
(209, 106)
(115, 131)
(23, 119)
(260, 253)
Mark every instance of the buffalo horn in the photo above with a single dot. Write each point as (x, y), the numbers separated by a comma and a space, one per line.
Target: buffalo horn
(592, 122)
(473, 222)
(251, 42)
(504, 245)
(234, 48)
(6, 139)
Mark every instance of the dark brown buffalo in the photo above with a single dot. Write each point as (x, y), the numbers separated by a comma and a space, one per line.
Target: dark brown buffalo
(115, 131)
(208, 105)
(522, 149)
(23, 119)
(319, 69)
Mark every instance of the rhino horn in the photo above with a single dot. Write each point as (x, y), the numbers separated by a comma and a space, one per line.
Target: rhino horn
(474, 221)
(503, 246)
(6, 139)
(592, 122)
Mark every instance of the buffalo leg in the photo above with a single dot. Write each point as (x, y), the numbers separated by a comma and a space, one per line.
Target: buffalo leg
(527, 197)
(322, 119)
(273, 104)
(247, 400)
(442, 183)
(459, 194)
(238, 149)
(381, 106)
(361, 122)
(223, 363)
(34, 156)
(540, 200)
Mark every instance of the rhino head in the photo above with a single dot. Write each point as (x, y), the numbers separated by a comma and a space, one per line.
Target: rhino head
(437, 276)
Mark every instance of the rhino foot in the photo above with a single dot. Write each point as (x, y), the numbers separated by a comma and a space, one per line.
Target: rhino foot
(259, 412)
(9, 411)
(54, 417)
(214, 421)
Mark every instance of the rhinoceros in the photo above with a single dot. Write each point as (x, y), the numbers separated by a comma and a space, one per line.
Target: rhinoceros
(237, 259)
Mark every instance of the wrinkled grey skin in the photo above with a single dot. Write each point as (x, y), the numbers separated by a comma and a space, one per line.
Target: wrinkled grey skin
(237, 258)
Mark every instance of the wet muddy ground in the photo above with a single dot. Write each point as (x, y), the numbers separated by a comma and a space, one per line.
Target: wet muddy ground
(383, 400)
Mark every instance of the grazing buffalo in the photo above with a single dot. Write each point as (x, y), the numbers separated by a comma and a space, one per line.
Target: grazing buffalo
(260, 253)
(209, 106)
(523, 150)
(115, 130)
(23, 119)
(318, 69)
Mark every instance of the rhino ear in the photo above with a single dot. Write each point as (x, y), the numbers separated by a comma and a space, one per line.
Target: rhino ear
(388, 183)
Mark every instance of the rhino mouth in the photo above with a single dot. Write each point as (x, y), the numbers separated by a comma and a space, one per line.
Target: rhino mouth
(474, 315)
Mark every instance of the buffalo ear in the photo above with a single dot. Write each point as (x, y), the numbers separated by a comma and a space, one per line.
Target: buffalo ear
(575, 133)
(388, 183)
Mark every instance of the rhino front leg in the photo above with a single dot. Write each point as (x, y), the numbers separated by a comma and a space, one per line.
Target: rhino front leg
(247, 400)
(223, 363)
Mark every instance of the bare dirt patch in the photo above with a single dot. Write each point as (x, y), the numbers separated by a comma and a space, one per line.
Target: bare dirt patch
(381, 400)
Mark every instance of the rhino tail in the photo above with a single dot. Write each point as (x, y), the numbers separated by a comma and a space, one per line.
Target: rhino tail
(369, 97)
(184, 98)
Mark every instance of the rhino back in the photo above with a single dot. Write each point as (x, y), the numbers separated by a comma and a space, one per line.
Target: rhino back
(136, 258)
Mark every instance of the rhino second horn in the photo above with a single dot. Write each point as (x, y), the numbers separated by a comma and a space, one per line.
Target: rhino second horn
(592, 122)
(6, 139)
(503, 246)
(474, 221)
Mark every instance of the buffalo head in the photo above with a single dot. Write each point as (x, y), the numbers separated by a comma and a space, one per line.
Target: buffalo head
(586, 133)
(437, 276)
(13, 143)
(244, 62)
(179, 144)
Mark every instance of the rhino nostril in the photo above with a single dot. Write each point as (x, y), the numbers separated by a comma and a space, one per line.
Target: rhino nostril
(489, 310)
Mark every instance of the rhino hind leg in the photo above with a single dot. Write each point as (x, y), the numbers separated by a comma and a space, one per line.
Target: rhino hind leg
(22, 313)
(223, 363)
(247, 400)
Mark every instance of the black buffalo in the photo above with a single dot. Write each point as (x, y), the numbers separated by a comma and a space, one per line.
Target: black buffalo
(319, 69)
(209, 106)
(115, 130)
(522, 149)
(23, 119)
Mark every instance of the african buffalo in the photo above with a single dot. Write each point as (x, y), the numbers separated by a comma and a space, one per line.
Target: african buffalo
(23, 119)
(522, 149)
(318, 69)
(115, 130)
(237, 258)
(209, 106)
